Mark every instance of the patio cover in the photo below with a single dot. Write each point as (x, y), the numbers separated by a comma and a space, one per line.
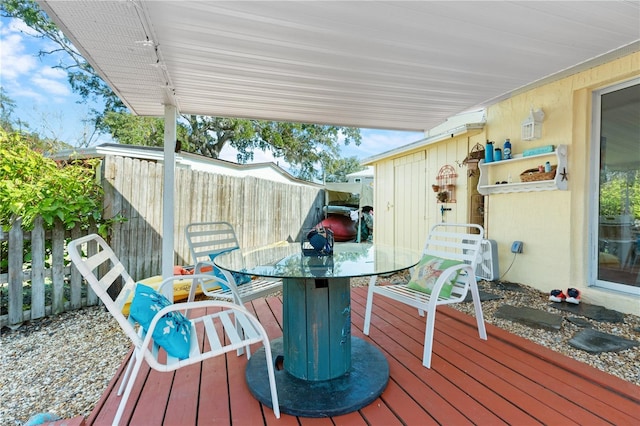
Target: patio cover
(386, 64)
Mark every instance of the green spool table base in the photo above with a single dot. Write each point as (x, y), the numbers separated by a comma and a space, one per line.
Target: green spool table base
(366, 380)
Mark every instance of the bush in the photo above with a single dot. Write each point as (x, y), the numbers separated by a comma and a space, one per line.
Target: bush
(32, 185)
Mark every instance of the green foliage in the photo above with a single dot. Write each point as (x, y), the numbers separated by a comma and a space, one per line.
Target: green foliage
(32, 185)
(620, 194)
(337, 170)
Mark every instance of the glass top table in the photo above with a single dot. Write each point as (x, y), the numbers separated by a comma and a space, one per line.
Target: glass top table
(326, 371)
(348, 260)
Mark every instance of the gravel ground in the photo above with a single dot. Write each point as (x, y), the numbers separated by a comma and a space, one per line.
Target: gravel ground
(62, 364)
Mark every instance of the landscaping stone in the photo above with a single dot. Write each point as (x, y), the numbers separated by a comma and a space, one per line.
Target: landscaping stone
(580, 322)
(529, 316)
(594, 341)
(594, 312)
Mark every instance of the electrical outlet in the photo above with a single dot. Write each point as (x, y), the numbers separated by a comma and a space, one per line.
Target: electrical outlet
(516, 247)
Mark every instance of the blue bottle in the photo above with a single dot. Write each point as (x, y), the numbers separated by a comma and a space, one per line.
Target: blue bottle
(506, 150)
(488, 152)
(497, 154)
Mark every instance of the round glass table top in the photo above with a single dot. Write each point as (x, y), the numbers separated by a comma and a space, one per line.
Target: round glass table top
(286, 260)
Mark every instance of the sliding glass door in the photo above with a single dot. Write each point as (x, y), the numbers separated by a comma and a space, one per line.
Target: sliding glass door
(617, 132)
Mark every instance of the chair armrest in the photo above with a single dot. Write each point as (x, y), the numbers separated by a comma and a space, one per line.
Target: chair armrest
(446, 276)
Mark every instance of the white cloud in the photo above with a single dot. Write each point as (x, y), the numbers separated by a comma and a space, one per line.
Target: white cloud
(23, 74)
(18, 26)
(15, 63)
(49, 85)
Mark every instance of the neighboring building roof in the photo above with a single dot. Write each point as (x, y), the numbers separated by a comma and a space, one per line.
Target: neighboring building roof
(268, 171)
(453, 126)
(368, 172)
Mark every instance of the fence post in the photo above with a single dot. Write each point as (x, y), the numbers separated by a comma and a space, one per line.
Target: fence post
(37, 269)
(57, 268)
(16, 245)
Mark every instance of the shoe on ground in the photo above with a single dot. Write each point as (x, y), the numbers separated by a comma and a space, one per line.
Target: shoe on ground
(573, 296)
(557, 296)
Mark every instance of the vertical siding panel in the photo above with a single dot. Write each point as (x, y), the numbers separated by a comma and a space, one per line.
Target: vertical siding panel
(57, 268)
(129, 212)
(76, 279)
(183, 212)
(92, 248)
(156, 219)
(117, 171)
(140, 181)
(37, 269)
(16, 246)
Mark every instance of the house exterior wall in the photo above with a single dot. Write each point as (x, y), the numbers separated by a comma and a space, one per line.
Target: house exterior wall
(554, 225)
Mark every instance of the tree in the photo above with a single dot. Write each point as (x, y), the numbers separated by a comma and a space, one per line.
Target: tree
(337, 170)
(303, 146)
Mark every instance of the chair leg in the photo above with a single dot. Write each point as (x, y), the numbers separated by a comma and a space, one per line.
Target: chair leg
(428, 337)
(475, 294)
(272, 377)
(127, 372)
(127, 391)
(367, 313)
(241, 350)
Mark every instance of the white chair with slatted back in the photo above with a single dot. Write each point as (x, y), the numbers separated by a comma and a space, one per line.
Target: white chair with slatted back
(206, 240)
(457, 242)
(220, 328)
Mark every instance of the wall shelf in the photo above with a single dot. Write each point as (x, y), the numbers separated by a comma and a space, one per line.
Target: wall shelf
(560, 182)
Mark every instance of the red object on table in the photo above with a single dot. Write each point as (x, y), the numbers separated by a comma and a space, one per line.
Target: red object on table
(344, 229)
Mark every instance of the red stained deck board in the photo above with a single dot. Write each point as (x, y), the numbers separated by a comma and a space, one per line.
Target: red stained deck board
(582, 389)
(451, 380)
(435, 390)
(570, 367)
(464, 328)
(378, 412)
(472, 381)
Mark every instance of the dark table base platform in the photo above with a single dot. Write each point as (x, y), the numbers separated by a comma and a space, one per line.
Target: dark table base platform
(364, 382)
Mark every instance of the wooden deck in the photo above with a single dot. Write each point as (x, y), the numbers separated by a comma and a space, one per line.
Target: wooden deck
(504, 380)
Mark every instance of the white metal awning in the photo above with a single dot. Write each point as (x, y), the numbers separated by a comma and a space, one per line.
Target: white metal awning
(388, 64)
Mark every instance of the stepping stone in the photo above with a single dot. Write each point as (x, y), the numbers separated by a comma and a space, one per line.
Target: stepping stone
(580, 322)
(508, 286)
(595, 342)
(531, 317)
(594, 312)
(484, 296)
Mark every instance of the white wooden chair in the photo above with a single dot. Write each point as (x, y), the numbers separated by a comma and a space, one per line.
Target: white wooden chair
(219, 328)
(207, 239)
(449, 241)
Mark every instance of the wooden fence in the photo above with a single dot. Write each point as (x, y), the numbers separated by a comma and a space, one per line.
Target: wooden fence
(261, 211)
(65, 287)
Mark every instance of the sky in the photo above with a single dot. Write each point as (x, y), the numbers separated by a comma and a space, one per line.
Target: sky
(44, 100)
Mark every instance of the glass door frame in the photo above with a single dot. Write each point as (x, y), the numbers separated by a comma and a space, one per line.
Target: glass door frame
(594, 188)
